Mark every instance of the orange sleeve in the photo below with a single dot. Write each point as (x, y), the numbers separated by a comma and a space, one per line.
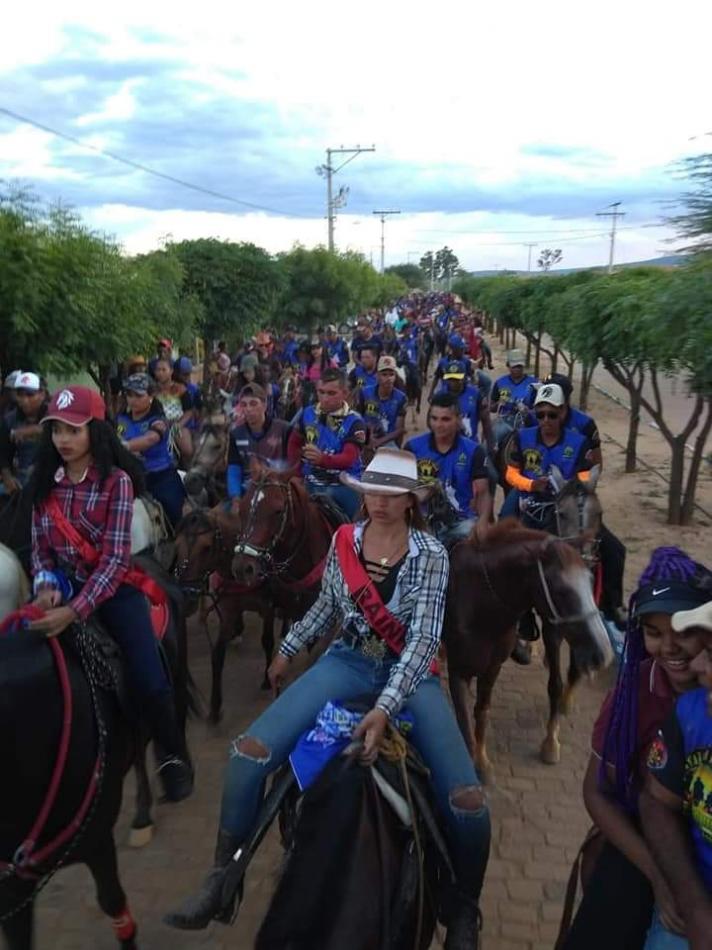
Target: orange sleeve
(583, 476)
(515, 478)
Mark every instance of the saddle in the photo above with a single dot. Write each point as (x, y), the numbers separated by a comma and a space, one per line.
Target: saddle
(333, 514)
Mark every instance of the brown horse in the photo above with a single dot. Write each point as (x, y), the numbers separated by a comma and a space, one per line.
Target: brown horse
(284, 539)
(491, 586)
(204, 481)
(205, 540)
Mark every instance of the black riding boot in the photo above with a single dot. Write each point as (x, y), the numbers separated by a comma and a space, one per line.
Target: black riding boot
(174, 769)
(196, 912)
(464, 922)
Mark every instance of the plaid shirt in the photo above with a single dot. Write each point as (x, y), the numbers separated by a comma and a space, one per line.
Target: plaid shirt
(101, 514)
(418, 602)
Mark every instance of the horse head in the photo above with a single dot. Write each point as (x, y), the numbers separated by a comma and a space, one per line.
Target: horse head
(269, 517)
(209, 456)
(578, 510)
(563, 595)
(203, 543)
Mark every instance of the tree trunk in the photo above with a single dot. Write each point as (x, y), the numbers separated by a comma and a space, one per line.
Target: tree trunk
(207, 350)
(688, 502)
(555, 360)
(586, 379)
(529, 351)
(537, 355)
(677, 470)
(631, 449)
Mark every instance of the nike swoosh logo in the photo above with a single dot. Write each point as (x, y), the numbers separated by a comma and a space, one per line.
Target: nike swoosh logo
(661, 591)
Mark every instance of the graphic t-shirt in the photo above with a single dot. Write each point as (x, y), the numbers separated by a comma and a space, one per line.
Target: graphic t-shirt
(680, 759)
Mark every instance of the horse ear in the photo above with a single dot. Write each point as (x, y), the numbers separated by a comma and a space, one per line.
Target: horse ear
(592, 480)
(557, 478)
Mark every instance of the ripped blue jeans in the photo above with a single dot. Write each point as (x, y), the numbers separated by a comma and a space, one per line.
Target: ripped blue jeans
(343, 673)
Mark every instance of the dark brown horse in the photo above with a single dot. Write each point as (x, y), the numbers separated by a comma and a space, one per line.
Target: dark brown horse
(205, 540)
(491, 586)
(284, 539)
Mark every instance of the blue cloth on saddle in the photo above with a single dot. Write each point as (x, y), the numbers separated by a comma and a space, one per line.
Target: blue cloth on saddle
(329, 737)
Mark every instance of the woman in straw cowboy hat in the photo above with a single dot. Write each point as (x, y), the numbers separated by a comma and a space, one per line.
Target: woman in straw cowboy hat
(384, 584)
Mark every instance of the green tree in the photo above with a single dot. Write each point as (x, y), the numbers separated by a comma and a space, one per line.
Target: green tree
(695, 223)
(411, 275)
(548, 258)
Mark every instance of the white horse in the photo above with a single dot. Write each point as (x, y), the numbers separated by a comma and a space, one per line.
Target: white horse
(14, 586)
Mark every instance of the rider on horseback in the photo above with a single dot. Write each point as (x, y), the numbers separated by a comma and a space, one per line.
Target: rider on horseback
(20, 431)
(474, 407)
(364, 373)
(383, 407)
(257, 435)
(456, 362)
(326, 439)
(336, 346)
(510, 391)
(406, 574)
(90, 480)
(459, 464)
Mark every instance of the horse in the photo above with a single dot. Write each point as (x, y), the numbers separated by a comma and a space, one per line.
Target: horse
(209, 460)
(205, 541)
(426, 346)
(413, 388)
(70, 748)
(491, 585)
(14, 586)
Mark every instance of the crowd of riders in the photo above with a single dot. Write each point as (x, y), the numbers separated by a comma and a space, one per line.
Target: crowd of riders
(334, 405)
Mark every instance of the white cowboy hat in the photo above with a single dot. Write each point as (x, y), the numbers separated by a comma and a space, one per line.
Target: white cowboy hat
(390, 472)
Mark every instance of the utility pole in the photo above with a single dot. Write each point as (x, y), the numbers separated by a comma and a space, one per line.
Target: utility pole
(383, 215)
(613, 215)
(328, 171)
(529, 257)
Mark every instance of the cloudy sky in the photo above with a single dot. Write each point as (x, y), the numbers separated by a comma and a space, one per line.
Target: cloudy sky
(493, 128)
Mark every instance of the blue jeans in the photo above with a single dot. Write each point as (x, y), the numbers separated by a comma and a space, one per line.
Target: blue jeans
(167, 488)
(661, 939)
(510, 507)
(347, 499)
(126, 617)
(345, 674)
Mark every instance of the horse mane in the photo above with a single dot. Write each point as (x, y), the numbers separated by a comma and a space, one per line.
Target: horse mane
(508, 531)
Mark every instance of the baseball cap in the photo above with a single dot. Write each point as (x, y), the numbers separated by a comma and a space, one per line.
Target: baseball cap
(140, 383)
(550, 393)
(515, 358)
(456, 342)
(671, 597)
(331, 328)
(11, 377)
(454, 371)
(183, 365)
(76, 405)
(560, 380)
(254, 391)
(697, 617)
(165, 342)
(386, 362)
(29, 381)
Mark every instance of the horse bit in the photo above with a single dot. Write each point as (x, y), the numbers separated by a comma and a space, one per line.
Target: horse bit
(266, 554)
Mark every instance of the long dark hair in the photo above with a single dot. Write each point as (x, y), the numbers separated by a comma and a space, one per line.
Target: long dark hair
(619, 747)
(107, 453)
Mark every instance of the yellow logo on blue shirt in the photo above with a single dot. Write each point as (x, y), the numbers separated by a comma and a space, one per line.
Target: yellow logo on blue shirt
(532, 460)
(311, 434)
(427, 470)
(568, 452)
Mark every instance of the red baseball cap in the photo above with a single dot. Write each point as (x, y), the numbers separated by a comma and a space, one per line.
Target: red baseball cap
(76, 405)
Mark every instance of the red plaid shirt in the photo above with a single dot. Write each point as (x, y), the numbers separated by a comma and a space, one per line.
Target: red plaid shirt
(101, 514)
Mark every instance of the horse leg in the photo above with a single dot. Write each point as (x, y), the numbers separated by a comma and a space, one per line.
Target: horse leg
(141, 831)
(110, 894)
(267, 642)
(217, 659)
(18, 929)
(485, 685)
(550, 747)
(574, 675)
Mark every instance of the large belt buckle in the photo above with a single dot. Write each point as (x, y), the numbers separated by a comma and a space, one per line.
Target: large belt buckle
(373, 647)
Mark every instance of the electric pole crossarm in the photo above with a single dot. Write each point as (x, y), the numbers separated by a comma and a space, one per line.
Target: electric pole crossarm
(383, 215)
(613, 215)
(328, 171)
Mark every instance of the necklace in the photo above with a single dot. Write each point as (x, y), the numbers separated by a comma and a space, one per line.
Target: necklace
(386, 560)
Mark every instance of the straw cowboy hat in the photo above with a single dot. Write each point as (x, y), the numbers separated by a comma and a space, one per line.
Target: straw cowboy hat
(390, 472)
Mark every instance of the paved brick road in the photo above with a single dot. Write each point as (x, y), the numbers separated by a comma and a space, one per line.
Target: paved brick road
(538, 822)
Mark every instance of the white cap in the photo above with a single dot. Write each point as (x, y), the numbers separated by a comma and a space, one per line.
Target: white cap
(29, 381)
(550, 393)
(11, 377)
(515, 358)
(699, 617)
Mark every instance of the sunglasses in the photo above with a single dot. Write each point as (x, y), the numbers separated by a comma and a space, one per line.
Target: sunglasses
(547, 415)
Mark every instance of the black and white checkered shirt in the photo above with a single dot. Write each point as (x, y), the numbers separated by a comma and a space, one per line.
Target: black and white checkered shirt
(418, 601)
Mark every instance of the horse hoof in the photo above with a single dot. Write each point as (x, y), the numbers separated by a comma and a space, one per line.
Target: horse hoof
(140, 837)
(550, 752)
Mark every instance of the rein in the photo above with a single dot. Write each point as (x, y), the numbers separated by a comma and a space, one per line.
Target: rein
(28, 858)
(266, 555)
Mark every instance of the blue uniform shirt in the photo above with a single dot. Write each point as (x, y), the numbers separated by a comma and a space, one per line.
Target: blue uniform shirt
(457, 468)
(506, 393)
(382, 414)
(329, 432)
(158, 458)
(535, 459)
(360, 379)
(338, 350)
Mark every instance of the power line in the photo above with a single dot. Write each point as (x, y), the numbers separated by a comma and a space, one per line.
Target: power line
(145, 168)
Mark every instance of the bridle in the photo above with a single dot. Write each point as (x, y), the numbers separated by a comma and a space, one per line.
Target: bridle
(218, 546)
(266, 555)
(556, 619)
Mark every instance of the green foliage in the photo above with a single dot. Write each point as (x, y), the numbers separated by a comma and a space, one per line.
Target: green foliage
(441, 266)
(412, 276)
(695, 224)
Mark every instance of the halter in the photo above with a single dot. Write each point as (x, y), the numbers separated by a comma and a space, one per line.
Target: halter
(218, 545)
(266, 554)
